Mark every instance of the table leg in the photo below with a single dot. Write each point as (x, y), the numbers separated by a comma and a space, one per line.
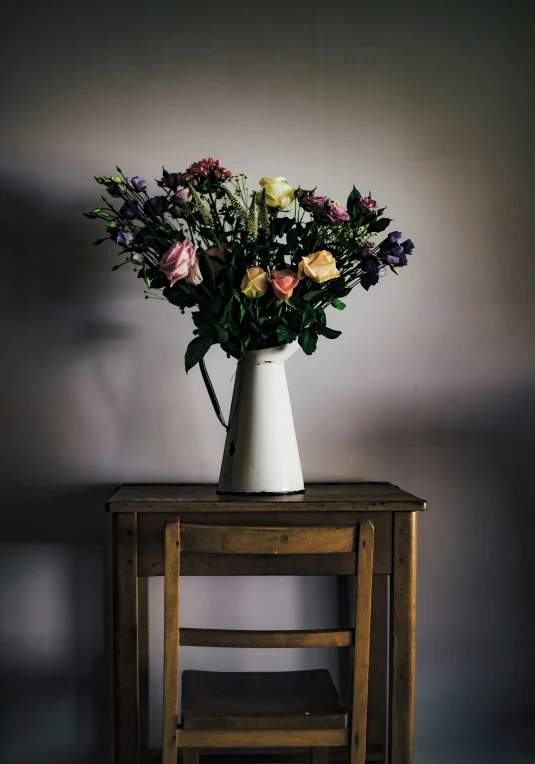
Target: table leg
(403, 639)
(125, 606)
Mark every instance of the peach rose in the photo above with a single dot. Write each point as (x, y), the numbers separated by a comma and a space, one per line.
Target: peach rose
(284, 283)
(254, 283)
(219, 252)
(320, 267)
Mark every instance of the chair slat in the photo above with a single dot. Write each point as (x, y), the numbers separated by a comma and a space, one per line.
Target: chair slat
(171, 639)
(260, 738)
(250, 638)
(363, 605)
(210, 539)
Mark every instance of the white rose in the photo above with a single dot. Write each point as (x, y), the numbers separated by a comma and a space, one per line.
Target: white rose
(194, 274)
(279, 193)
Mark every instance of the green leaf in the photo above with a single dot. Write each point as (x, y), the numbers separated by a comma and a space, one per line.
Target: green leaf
(338, 304)
(292, 238)
(311, 295)
(308, 339)
(305, 317)
(226, 313)
(207, 270)
(282, 226)
(197, 349)
(215, 305)
(331, 334)
(232, 349)
(353, 204)
(222, 335)
(202, 321)
(283, 335)
(379, 225)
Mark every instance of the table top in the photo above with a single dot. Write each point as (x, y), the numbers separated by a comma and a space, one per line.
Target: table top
(322, 497)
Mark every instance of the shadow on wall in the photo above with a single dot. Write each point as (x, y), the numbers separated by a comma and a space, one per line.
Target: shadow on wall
(475, 661)
(55, 637)
(475, 697)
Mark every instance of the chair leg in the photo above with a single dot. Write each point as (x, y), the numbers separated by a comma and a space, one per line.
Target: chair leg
(190, 756)
(320, 755)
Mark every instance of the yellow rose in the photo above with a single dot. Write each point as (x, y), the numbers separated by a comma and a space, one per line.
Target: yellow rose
(254, 283)
(320, 267)
(279, 193)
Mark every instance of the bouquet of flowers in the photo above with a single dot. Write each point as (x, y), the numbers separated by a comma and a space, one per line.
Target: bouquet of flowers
(258, 268)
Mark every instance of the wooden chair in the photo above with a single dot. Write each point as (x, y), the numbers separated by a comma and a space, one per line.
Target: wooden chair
(261, 709)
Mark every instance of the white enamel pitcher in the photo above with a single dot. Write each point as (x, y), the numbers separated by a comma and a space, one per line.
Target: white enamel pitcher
(261, 453)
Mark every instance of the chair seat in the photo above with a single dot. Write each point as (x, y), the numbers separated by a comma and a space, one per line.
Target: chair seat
(261, 700)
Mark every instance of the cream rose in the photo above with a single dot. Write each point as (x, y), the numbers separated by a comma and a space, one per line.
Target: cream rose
(254, 283)
(320, 267)
(279, 193)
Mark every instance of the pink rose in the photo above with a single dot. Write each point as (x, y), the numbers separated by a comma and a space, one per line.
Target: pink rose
(178, 259)
(181, 196)
(284, 283)
(218, 252)
(367, 204)
(336, 214)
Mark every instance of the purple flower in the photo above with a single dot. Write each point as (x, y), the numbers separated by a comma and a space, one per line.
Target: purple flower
(370, 276)
(367, 204)
(114, 227)
(408, 246)
(139, 183)
(129, 211)
(156, 206)
(313, 203)
(170, 180)
(336, 214)
(396, 256)
(123, 238)
(393, 253)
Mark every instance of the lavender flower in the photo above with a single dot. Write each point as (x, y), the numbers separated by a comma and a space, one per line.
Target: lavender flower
(156, 206)
(393, 253)
(139, 183)
(129, 211)
(396, 256)
(124, 238)
(408, 246)
(370, 276)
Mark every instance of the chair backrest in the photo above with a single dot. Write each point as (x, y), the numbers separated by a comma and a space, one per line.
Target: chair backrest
(238, 540)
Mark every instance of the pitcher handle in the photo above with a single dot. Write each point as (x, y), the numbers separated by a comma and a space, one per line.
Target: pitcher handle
(211, 393)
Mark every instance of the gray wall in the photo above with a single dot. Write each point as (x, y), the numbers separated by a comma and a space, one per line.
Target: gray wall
(431, 385)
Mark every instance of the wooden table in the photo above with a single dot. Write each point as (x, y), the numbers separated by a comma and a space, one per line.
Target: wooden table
(139, 516)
